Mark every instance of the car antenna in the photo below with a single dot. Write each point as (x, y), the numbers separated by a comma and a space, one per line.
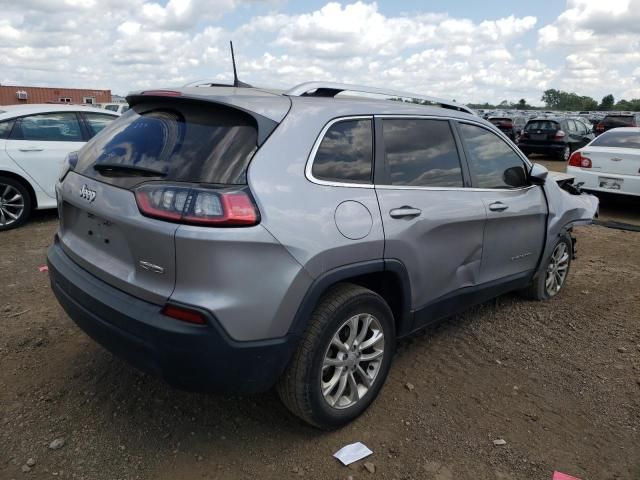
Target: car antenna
(236, 82)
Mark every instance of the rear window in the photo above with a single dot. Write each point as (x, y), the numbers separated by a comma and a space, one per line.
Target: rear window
(500, 121)
(618, 139)
(617, 121)
(202, 143)
(541, 125)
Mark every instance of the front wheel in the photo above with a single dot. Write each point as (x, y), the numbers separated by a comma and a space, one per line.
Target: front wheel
(550, 280)
(343, 358)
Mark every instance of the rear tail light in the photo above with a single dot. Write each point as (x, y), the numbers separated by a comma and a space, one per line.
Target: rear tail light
(578, 160)
(184, 314)
(559, 134)
(197, 205)
(599, 127)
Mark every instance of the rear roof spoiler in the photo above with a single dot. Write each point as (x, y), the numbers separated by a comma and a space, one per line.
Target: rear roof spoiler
(331, 89)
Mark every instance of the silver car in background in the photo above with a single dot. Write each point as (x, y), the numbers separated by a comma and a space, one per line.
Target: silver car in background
(239, 239)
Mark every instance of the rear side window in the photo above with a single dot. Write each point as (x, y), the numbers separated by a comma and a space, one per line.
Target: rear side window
(345, 153)
(618, 121)
(493, 164)
(541, 125)
(421, 153)
(185, 142)
(52, 127)
(618, 139)
(98, 121)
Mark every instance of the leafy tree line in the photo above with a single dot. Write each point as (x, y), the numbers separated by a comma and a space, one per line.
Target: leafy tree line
(561, 100)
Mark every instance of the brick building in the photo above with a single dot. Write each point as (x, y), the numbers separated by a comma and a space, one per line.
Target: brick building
(15, 95)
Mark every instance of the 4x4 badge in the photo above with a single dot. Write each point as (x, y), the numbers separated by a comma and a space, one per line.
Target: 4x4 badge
(87, 193)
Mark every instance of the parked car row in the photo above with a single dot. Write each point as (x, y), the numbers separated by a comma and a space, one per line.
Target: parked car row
(555, 136)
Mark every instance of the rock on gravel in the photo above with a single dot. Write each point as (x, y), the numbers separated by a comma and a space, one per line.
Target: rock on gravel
(409, 386)
(57, 444)
(499, 442)
(31, 462)
(370, 467)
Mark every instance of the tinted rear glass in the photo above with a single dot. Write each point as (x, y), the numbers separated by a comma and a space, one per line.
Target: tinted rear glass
(541, 125)
(203, 143)
(618, 139)
(617, 120)
(346, 153)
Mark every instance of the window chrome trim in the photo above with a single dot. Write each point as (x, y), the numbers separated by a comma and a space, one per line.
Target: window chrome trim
(312, 156)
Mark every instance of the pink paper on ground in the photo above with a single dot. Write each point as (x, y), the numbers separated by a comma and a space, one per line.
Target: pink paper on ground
(43, 268)
(563, 476)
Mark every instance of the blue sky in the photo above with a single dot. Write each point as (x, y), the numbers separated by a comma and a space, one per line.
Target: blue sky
(473, 51)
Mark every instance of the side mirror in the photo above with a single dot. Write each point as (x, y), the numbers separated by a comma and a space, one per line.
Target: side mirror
(538, 174)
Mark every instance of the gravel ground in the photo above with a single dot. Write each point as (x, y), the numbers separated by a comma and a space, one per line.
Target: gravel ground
(559, 382)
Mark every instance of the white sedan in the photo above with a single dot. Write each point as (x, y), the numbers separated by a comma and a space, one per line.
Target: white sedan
(610, 163)
(34, 141)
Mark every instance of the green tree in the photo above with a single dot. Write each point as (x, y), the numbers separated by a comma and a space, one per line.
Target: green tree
(552, 98)
(607, 103)
(522, 105)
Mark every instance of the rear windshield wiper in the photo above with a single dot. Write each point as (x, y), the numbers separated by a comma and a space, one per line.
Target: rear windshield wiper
(132, 169)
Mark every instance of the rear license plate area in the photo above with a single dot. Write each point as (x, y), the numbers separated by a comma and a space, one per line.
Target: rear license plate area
(610, 183)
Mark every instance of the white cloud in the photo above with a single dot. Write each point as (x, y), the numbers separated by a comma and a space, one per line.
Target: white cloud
(600, 42)
(131, 44)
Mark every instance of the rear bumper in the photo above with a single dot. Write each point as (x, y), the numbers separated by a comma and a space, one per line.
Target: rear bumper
(192, 357)
(591, 181)
(554, 148)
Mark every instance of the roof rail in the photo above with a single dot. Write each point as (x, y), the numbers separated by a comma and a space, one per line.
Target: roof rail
(331, 89)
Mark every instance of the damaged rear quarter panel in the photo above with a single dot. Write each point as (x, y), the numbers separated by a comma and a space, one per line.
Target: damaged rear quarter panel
(565, 211)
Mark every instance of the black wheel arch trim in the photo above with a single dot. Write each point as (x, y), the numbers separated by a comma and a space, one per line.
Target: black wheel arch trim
(320, 285)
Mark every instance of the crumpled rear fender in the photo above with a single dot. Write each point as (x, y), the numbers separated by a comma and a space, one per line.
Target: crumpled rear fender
(565, 211)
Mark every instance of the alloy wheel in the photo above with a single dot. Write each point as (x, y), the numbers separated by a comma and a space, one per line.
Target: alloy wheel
(557, 269)
(352, 361)
(11, 205)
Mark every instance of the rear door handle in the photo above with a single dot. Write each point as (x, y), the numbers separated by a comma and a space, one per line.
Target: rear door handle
(405, 211)
(498, 207)
(31, 149)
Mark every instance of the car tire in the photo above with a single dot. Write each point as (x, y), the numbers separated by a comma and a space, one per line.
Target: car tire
(565, 154)
(320, 384)
(553, 275)
(15, 201)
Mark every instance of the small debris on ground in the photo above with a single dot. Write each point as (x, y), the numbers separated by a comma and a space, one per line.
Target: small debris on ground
(57, 443)
(409, 386)
(370, 467)
(352, 453)
(499, 442)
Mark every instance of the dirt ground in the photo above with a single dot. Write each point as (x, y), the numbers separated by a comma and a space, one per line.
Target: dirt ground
(558, 381)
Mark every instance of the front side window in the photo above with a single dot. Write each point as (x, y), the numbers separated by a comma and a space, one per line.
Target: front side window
(572, 126)
(493, 164)
(98, 121)
(53, 127)
(421, 152)
(345, 153)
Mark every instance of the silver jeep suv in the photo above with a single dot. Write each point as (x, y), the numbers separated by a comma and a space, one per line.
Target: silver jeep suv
(233, 239)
